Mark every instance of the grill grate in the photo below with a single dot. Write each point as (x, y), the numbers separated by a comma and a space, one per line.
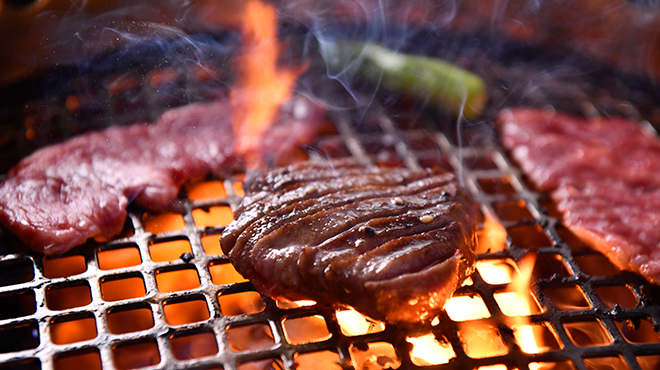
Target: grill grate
(162, 295)
(141, 300)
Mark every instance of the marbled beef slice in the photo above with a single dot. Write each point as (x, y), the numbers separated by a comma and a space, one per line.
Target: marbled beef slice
(64, 194)
(604, 175)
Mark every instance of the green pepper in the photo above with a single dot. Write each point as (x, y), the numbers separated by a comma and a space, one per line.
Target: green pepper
(448, 86)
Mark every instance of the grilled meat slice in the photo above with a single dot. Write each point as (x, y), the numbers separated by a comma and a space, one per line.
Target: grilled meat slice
(394, 243)
(604, 175)
(64, 194)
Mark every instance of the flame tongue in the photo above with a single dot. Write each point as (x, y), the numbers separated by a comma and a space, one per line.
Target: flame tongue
(262, 85)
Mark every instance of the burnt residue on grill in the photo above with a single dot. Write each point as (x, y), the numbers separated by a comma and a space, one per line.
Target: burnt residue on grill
(162, 294)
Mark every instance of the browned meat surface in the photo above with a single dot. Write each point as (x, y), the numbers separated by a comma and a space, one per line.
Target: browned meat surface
(62, 195)
(393, 243)
(604, 175)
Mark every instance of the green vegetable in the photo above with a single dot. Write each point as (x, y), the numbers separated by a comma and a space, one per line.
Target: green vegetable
(450, 87)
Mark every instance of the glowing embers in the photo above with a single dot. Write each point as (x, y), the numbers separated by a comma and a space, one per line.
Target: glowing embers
(135, 354)
(481, 340)
(353, 323)
(374, 356)
(610, 362)
(207, 190)
(492, 367)
(492, 237)
(211, 244)
(89, 359)
(237, 187)
(224, 273)
(162, 222)
(67, 296)
(64, 266)
(122, 287)
(497, 271)
(640, 330)
(130, 319)
(567, 298)
(617, 295)
(466, 308)
(249, 337)
(169, 250)
(118, 257)
(536, 338)
(287, 305)
(128, 231)
(563, 365)
(308, 329)
(651, 362)
(588, 332)
(193, 344)
(242, 303)
(515, 303)
(428, 350)
(324, 360)
(216, 216)
(270, 363)
(176, 280)
(73, 329)
(183, 311)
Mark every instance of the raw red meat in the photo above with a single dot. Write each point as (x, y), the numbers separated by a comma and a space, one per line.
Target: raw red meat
(604, 174)
(62, 195)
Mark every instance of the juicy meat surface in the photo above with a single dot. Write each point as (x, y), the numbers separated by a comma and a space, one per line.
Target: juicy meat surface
(604, 175)
(64, 194)
(393, 243)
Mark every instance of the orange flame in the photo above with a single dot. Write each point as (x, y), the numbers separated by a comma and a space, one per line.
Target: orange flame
(522, 299)
(262, 86)
(427, 350)
(492, 238)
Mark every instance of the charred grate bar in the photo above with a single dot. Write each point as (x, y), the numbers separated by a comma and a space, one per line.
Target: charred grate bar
(162, 295)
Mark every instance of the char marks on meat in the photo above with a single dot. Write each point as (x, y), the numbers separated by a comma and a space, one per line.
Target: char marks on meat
(64, 194)
(393, 243)
(604, 175)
